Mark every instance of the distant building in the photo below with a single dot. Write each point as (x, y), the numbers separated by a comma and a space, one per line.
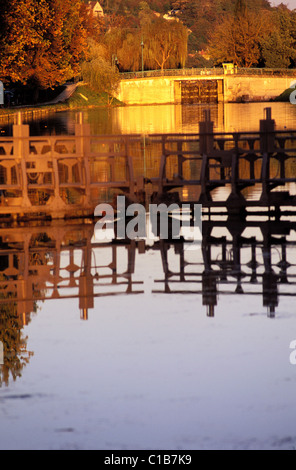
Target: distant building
(169, 17)
(96, 9)
(205, 54)
(172, 15)
(229, 68)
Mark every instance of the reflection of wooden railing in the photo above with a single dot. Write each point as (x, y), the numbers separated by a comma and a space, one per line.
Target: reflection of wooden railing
(235, 266)
(63, 262)
(60, 263)
(64, 176)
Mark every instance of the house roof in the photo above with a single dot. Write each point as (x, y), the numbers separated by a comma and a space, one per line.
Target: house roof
(96, 6)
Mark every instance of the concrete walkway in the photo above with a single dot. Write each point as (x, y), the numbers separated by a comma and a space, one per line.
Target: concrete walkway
(65, 95)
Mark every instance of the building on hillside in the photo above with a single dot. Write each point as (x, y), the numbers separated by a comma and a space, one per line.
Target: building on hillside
(169, 17)
(96, 9)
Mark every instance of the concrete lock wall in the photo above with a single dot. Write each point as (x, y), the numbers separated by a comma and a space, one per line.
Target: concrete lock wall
(147, 91)
(230, 88)
(160, 90)
(254, 88)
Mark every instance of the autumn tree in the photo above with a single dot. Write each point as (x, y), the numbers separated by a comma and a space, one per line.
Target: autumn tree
(278, 47)
(202, 17)
(68, 40)
(237, 39)
(129, 52)
(23, 23)
(165, 44)
(42, 42)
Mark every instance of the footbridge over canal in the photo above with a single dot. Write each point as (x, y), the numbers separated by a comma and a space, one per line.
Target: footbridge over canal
(189, 86)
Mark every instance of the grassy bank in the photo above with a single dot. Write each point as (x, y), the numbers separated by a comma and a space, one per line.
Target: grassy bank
(85, 97)
(285, 96)
(82, 98)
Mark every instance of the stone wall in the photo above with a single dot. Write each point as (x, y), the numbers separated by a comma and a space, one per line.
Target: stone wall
(254, 88)
(164, 90)
(147, 91)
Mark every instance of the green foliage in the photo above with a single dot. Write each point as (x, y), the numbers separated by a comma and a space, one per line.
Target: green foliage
(277, 51)
(278, 47)
(97, 71)
(85, 96)
(133, 6)
(237, 39)
(165, 44)
(249, 37)
(285, 96)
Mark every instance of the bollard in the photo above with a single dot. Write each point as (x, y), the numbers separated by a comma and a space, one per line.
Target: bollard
(206, 131)
(267, 129)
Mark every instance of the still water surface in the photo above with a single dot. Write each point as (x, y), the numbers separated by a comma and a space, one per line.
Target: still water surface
(126, 347)
(227, 117)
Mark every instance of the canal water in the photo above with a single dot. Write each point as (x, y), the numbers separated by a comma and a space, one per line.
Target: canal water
(166, 346)
(227, 117)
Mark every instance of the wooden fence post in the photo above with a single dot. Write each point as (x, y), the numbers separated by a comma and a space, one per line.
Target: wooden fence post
(267, 147)
(21, 151)
(206, 145)
(83, 148)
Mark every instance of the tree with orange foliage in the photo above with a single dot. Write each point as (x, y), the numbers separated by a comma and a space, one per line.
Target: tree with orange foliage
(42, 42)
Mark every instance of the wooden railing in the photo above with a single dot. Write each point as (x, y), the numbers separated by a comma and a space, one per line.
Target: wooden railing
(68, 176)
(237, 160)
(63, 175)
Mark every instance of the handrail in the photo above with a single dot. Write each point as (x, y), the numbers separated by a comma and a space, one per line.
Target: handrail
(207, 72)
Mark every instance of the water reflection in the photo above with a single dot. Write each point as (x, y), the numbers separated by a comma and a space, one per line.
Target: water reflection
(227, 117)
(40, 264)
(257, 264)
(68, 175)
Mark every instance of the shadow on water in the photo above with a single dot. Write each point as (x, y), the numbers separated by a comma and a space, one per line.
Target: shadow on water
(49, 263)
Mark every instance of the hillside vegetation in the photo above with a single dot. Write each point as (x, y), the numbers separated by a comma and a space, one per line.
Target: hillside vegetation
(45, 43)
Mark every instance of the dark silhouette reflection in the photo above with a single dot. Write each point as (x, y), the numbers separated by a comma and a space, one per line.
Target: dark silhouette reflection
(236, 264)
(41, 263)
